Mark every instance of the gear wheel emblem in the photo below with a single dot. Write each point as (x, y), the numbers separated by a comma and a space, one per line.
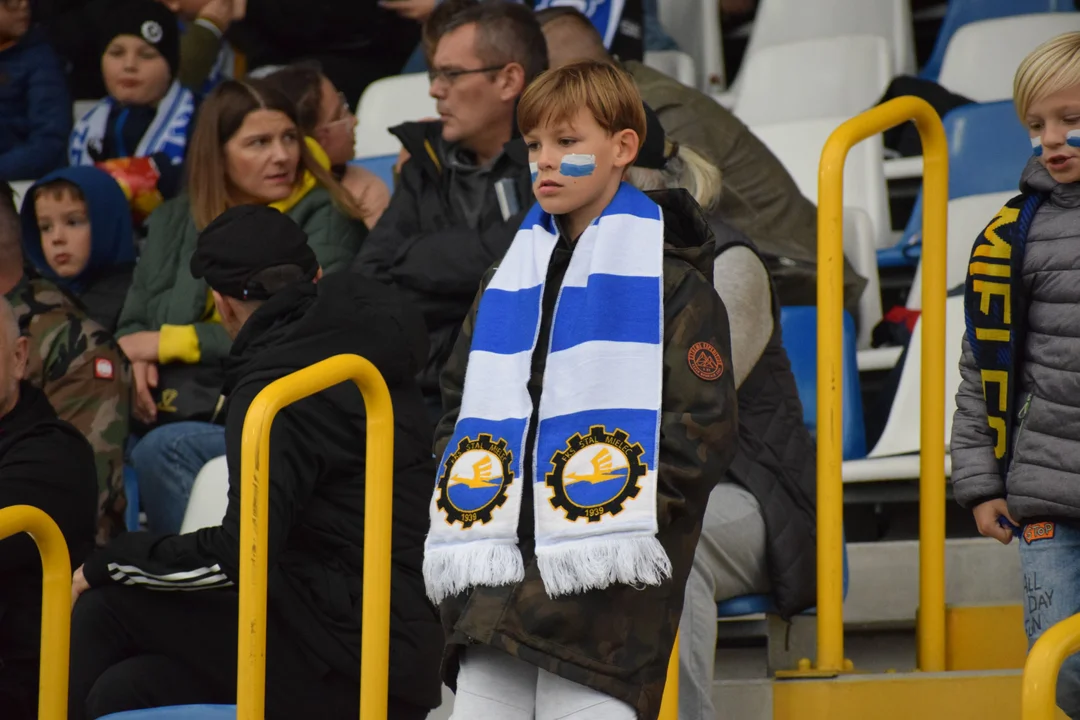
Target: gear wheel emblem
(474, 480)
(596, 474)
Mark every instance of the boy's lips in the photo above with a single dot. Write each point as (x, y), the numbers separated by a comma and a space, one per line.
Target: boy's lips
(62, 258)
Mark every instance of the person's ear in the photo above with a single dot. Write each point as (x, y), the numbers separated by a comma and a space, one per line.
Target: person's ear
(22, 356)
(318, 275)
(625, 144)
(511, 81)
(228, 314)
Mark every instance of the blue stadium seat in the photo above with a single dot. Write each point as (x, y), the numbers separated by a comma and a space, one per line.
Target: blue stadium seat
(988, 148)
(383, 166)
(179, 712)
(962, 12)
(131, 492)
(799, 328)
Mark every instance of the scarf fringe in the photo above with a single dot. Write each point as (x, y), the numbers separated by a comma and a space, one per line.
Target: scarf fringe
(596, 563)
(452, 569)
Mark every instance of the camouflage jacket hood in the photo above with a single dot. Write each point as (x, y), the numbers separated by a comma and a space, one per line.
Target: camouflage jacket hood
(617, 640)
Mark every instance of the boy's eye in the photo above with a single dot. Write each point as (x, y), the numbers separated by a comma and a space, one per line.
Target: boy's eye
(1036, 127)
(533, 146)
(1072, 119)
(567, 142)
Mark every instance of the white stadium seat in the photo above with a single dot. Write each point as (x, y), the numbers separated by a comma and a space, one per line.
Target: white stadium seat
(386, 103)
(695, 26)
(673, 63)
(209, 497)
(861, 252)
(20, 188)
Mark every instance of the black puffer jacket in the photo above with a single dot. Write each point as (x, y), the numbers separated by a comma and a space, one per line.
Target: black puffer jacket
(424, 246)
(317, 473)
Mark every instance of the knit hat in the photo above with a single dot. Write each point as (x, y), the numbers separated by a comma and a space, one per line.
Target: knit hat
(147, 20)
(244, 241)
(651, 156)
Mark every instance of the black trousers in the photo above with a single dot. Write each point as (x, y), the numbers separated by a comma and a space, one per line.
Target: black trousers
(133, 648)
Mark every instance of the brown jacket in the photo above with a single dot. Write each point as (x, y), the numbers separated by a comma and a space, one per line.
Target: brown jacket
(759, 198)
(617, 640)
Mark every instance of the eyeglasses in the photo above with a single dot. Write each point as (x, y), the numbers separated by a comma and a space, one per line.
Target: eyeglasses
(450, 76)
(344, 113)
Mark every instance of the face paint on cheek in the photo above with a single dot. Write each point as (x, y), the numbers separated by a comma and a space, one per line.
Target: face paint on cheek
(1036, 146)
(1072, 138)
(534, 170)
(575, 165)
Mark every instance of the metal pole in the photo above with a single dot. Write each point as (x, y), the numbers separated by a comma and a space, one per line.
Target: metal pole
(1041, 670)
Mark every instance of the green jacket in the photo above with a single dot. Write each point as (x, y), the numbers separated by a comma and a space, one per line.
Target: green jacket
(163, 292)
(759, 198)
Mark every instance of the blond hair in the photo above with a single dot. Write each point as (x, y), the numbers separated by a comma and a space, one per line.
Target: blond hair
(607, 91)
(686, 169)
(1049, 68)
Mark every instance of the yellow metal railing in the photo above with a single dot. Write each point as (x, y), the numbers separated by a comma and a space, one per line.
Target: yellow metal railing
(55, 604)
(669, 706)
(1042, 668)
(254, 505)
(830, 491)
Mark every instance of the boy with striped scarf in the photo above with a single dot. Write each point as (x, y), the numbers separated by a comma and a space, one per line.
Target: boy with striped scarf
(1016, 432)
(590, 411)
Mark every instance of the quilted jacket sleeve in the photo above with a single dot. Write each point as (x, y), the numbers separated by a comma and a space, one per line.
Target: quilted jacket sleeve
(975, 475)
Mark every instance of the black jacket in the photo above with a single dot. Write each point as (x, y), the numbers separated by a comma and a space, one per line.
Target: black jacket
(48, 464)
(422, 245)
(317, 465)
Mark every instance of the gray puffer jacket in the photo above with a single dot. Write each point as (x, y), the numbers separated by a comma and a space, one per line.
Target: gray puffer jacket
(1044, 477)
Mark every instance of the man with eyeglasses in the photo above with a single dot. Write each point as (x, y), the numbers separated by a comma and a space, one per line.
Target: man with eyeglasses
(35, 111)
(466, 186)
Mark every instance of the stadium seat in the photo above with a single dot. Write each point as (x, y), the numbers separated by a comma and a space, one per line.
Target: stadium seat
(779, 22)
(20, 188)
(79, 108)
(178, 712)
(386, 103)
(209, 497)
(695, 26)
(673, 63)
(799, 327)
(382, 165)
(982, 57)
(816, 78)
(961, 12)
(862, 254)
(970, 130)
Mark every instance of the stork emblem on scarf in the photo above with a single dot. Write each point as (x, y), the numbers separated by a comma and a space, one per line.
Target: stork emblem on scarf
(596, 474)
(474, 480)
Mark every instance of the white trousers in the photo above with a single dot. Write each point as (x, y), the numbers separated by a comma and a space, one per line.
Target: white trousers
(492, 685)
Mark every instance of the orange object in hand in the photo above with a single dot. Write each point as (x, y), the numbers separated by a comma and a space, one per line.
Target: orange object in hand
(138, 178)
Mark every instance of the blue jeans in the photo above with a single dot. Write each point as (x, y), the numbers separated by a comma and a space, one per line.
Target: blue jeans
(167, 460)
(1050, 561)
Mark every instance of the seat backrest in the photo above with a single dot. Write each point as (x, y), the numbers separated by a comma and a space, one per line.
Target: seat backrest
(798, 146)
(861, 252)
(820, 77)
(673, 63)
(209, 497)
(799, 327)
(779, 22)
(967, 218)
(901, 433)
(386, 103)
(961, 12)
(982, 57)
(695, 26)
(20, 188)
(383, 166)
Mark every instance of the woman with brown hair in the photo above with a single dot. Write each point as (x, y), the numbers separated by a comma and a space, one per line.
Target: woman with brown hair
(248, 148)
(324, 115)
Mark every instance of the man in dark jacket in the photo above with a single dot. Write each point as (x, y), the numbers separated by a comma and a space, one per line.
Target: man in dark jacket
(132, 648)
(466, 187)
(45, 463)
(35, 110)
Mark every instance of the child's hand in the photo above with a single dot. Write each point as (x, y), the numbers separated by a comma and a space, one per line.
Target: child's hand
(141, 346)
(146, 378)
(988, 516)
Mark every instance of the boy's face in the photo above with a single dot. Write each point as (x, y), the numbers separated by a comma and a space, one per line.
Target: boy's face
(135, 72)
(1054, 125)
(14, 19)
(577, 164)
(65, 231)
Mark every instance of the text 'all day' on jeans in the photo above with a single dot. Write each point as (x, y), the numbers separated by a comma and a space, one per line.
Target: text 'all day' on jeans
(167, 460)
(1050, 562)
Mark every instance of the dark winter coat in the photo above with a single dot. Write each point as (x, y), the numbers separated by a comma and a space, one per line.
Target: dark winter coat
(617, 640)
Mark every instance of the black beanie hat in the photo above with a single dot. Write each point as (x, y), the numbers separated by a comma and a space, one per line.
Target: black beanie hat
(147, 20)
(245, 240)
(651, 156)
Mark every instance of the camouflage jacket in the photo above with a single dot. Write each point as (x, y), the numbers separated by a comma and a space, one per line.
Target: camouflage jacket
(87, 380)
(619, 640)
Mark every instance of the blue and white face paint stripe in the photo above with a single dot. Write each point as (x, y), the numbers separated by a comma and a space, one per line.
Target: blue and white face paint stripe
(534, 170)
(576, 165)
(1072, 139)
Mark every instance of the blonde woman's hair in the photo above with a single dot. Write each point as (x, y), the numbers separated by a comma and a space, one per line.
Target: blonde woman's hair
(685, 169)
(1050, 68)
(220, 117)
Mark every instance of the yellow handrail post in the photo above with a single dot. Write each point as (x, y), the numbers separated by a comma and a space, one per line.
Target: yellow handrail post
(55, 604)
(830, 492)
(378, 506)
(1042, 668)
(669, 705)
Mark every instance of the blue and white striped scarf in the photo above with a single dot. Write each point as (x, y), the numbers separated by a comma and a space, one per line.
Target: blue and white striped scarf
(604, 14)
(596, 444)
(167, 133)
